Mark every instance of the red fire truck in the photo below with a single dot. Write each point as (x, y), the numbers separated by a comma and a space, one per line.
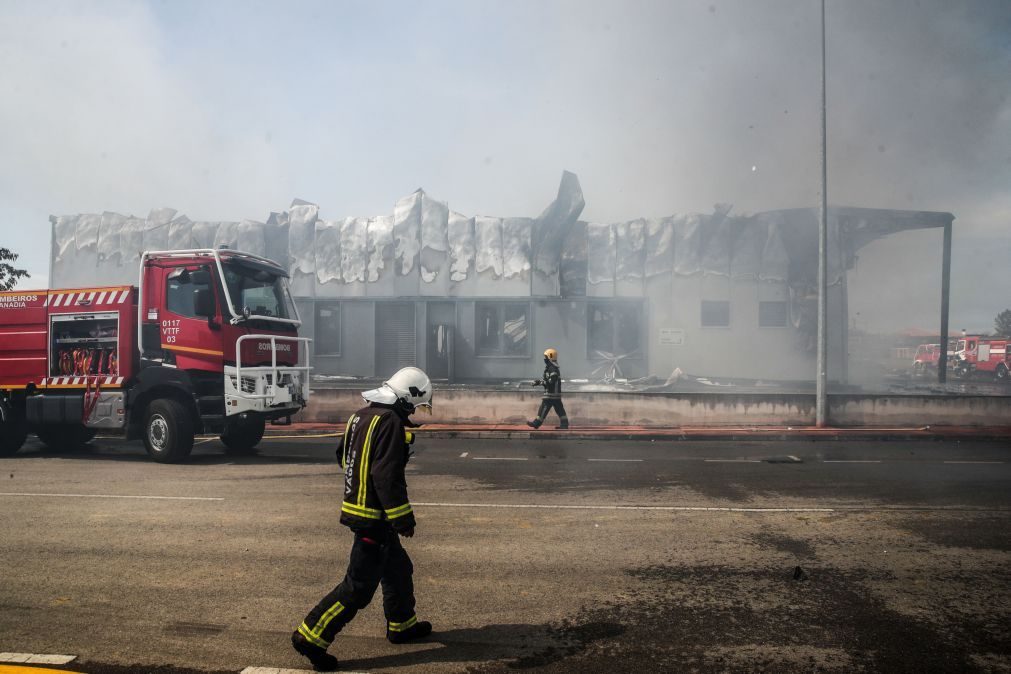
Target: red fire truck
(207, 342)
(974, 353)
(925, 359)
(928, 355)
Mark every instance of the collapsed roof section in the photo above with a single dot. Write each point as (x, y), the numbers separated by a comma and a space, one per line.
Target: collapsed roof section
(423, 248)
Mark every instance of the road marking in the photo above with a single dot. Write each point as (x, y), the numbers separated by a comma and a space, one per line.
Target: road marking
(617, 460)
(985, 462)
(276, 670)
(36, 659)
(732, 461)
(200, 442)
(464, 455)
(849, 461)
(537, 506)
(292, 437)
(151, 498)
(499, 458)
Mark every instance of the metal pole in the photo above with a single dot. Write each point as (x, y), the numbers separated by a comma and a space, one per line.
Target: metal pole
(821, 401)
(942, 360)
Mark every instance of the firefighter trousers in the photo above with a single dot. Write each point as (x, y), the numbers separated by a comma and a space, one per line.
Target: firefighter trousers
(377, 557)
(548, 404)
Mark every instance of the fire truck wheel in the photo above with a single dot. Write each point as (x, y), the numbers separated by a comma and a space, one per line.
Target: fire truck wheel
(168, 431)
(13, 432)
(1001, 374)
(242, 436)
(65, 437)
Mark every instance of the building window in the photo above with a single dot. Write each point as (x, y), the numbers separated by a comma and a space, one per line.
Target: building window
(328, 329)
(614, 328)
(715, 314)
(772, 314)
(503, 329)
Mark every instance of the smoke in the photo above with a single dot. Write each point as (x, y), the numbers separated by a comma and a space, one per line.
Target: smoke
(225, 110)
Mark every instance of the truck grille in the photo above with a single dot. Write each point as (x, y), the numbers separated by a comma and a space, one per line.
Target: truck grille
(249, 383)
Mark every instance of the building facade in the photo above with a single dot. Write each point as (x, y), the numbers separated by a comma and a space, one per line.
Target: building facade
(478, 298)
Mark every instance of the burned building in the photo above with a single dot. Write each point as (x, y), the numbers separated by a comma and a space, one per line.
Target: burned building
(478, 298)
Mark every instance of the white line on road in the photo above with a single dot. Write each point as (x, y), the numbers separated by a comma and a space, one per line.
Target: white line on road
(732, 461)
(985, 462)
(152, 498)
(36, 659)
(617, 460)
(499, 458)
(849, 461)
(200, 442)
(464, 455)
(275, 670)
(299, 437)
(538, 506)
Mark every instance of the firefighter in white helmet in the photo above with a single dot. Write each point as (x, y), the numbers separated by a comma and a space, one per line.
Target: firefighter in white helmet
(374, 453)
(552, 399)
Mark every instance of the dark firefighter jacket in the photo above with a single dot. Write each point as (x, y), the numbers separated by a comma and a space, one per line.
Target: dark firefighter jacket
(552, 382)
(374, 454)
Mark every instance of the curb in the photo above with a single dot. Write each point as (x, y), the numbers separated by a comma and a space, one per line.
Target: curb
(678, 434)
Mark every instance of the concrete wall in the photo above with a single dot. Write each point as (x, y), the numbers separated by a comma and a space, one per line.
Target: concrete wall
(672, 410)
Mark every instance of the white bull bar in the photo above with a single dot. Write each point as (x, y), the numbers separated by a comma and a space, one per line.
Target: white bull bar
(267, 392)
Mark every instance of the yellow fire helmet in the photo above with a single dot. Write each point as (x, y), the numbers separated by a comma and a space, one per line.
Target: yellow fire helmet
(551, 354)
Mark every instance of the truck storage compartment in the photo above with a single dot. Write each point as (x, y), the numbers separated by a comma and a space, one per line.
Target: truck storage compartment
(84, 344)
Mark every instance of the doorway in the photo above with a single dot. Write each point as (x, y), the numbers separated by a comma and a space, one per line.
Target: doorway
(441, 332)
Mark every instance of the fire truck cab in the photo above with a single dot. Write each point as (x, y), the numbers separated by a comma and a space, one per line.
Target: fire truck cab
(206, 342)
(974, 353)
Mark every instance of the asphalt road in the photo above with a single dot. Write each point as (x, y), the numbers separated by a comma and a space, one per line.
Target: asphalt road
(555, 556)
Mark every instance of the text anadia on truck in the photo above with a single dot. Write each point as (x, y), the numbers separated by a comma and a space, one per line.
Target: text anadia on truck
(206, 342)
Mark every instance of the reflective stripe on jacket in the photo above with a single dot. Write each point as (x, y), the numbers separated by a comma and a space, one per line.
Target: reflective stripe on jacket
(374, 455)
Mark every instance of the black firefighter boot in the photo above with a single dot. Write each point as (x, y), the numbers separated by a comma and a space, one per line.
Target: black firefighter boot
(536, 423)
(418, 630)
(563, 423)
(321, 660)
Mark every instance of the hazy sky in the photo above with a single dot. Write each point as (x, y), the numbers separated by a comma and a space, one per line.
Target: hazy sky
(228, 110)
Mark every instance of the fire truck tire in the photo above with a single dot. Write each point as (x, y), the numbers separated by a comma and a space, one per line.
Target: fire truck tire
(65, 437)
(13, 432)
(1001, 374)
(168, 431)
(242, 436)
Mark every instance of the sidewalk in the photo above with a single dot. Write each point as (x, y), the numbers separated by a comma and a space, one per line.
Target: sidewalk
(513, 431)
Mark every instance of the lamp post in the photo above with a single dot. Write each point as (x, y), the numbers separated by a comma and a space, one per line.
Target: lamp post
(821, 398)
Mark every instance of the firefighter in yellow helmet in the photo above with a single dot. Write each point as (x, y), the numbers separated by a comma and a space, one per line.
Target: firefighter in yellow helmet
(552, 399)
(374, 453)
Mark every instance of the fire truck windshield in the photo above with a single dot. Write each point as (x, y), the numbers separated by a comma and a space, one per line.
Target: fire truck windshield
(257, 293)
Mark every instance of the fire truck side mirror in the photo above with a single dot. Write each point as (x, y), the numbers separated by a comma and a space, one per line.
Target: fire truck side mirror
(203, 302)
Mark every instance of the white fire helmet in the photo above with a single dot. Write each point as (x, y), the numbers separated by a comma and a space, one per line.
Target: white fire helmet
(410, 385)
